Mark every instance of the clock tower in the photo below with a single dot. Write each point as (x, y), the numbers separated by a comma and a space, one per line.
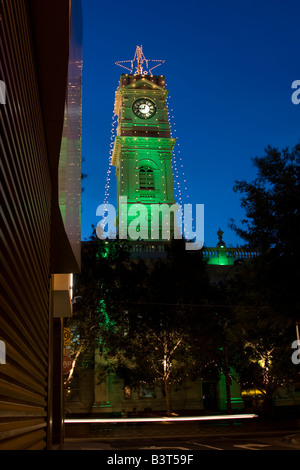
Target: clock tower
(142, 152)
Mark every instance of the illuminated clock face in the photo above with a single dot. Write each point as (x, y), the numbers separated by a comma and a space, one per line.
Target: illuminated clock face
(144, 108)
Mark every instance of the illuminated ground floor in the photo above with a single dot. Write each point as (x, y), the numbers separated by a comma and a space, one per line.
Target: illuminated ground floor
(87, 394)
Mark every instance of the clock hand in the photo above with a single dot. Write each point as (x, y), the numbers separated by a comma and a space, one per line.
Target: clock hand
(144, 108)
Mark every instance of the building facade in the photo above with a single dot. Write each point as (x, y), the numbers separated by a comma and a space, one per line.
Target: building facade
(142, 156)
(40, 62)
(111, 396)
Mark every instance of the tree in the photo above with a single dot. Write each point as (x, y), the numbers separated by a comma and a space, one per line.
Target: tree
(150, 319)
(264, 293)
(271, 202)
(96, 290)
(158, 334)
(253, 343)
(272, 205)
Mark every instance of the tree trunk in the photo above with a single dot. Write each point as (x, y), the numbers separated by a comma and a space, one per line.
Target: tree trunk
(228, 393)
(228, 383)
(70, 375)
(168, 397)
(268, 402)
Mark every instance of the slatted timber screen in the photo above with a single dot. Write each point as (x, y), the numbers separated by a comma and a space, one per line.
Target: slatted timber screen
(25, 239)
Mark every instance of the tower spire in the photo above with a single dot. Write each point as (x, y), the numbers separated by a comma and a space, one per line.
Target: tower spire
(220, 243)
(142, 64)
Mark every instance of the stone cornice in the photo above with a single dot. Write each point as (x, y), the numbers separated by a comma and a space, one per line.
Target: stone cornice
(162, 144)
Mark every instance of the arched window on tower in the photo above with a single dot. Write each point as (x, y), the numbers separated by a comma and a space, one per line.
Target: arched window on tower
(146, 178)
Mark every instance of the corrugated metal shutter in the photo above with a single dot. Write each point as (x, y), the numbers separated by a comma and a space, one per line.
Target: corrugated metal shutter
(25, 240)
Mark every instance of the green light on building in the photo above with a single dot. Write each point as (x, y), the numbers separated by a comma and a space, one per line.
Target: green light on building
(143, 147)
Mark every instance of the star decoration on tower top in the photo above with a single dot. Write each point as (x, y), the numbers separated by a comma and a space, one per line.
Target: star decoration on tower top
(142, 64)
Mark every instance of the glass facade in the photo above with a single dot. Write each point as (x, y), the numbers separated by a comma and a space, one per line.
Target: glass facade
(69, 171)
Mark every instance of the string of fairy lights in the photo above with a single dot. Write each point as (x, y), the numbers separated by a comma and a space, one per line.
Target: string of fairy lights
(113, 132)
(177, 160)
(246, 385)
(180, 190)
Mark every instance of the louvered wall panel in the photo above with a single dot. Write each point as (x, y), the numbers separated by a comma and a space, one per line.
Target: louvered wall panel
(25, 239)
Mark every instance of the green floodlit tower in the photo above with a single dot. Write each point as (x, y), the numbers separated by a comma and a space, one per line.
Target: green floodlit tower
(143, 147)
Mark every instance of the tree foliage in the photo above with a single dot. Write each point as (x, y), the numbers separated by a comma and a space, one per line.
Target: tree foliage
(272, 205)
(272, 202)
(264, 293)
(95, 288)
(161, 325)
(149, 318)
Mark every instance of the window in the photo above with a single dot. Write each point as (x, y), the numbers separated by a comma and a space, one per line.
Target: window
(146, 391)
(127, 392)
(146, 178)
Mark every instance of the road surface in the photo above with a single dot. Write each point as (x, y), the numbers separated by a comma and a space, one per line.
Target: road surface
(265, 441)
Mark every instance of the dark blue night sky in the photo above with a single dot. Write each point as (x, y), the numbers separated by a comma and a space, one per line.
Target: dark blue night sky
(229, 70)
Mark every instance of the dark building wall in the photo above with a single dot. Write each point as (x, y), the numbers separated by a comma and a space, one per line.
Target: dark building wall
(25, 239)
(35, 61)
